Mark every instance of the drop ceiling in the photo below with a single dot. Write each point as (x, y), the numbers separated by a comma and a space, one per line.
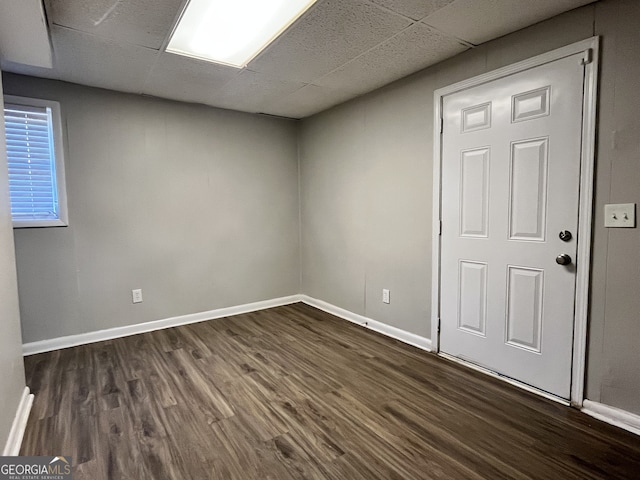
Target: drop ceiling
(336, 51)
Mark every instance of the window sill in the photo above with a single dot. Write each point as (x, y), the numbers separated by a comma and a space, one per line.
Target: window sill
(39, 223)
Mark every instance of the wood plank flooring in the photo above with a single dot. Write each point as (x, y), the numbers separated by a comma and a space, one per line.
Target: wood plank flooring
(295, 393)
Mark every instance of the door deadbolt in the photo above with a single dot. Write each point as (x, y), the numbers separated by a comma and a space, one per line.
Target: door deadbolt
(563, 259)
(565, 235)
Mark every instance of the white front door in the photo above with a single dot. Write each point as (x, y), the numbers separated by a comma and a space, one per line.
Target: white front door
(510, 185)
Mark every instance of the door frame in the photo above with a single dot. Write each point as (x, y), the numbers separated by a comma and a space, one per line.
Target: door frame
(591, 48)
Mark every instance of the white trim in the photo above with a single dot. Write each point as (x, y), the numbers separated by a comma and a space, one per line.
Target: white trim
(14, 442)
(436, 223)
(611, 415)
(585, 209)
(388, 330)
(614, 416)
(58, 145)
(583, 262)
(508, 380)
(518, 67)
(117, 332)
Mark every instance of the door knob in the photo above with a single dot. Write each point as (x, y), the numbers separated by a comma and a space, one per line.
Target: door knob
(563, 259)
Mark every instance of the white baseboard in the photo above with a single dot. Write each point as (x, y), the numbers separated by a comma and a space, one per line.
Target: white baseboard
(615, 416)
(611, 415)
(393, 332)
(117, 332)
(14, 442)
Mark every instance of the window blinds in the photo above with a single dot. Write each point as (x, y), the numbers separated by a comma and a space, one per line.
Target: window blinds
(31, 154)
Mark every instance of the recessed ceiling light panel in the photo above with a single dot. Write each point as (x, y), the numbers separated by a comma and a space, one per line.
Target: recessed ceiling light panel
(232, 32)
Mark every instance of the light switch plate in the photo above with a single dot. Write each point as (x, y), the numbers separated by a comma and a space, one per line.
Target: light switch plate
(620, 215)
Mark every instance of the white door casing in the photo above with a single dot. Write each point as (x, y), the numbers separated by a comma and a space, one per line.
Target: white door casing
(516, 169)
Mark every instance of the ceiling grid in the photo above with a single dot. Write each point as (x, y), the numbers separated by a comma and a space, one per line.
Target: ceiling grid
(337, 50)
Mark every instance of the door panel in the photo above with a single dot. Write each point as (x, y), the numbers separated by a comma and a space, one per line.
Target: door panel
(474, 192)
(472, 297)
(510, 185)
(524, 307)
(528, 190)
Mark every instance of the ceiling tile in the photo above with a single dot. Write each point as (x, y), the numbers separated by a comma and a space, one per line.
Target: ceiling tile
(414, 49)
(94, 61)
(306, 101)
(478, 21)
(330, 34)
(416, 9)
(139, 22)
(186, 79)
(251, 91)
(337, 50)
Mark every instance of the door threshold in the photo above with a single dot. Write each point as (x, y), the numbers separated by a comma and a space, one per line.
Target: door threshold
(523, 386)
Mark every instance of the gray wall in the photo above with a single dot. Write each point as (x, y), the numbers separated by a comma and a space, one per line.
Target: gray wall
(365, 201)
(366, 183)
(197, 206)
(614, 356)
(13, 382)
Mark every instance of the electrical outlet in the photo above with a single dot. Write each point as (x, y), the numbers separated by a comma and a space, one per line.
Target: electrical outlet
(386, 298)
(137, 295)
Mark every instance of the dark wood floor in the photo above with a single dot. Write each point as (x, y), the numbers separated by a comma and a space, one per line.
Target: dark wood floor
(292, 393)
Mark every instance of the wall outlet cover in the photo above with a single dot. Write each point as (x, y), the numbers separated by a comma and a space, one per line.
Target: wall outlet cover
(137, 295)
(386, 296)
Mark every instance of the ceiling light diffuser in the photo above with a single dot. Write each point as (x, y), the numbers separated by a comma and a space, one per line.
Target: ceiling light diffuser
(232, 32)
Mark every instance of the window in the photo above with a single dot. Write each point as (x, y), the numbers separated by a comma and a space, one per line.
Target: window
(36, 165)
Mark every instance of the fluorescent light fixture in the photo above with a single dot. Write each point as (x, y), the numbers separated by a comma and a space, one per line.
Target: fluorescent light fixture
(232, 32)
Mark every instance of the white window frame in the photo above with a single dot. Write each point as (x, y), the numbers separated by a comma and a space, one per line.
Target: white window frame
(58, 146)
